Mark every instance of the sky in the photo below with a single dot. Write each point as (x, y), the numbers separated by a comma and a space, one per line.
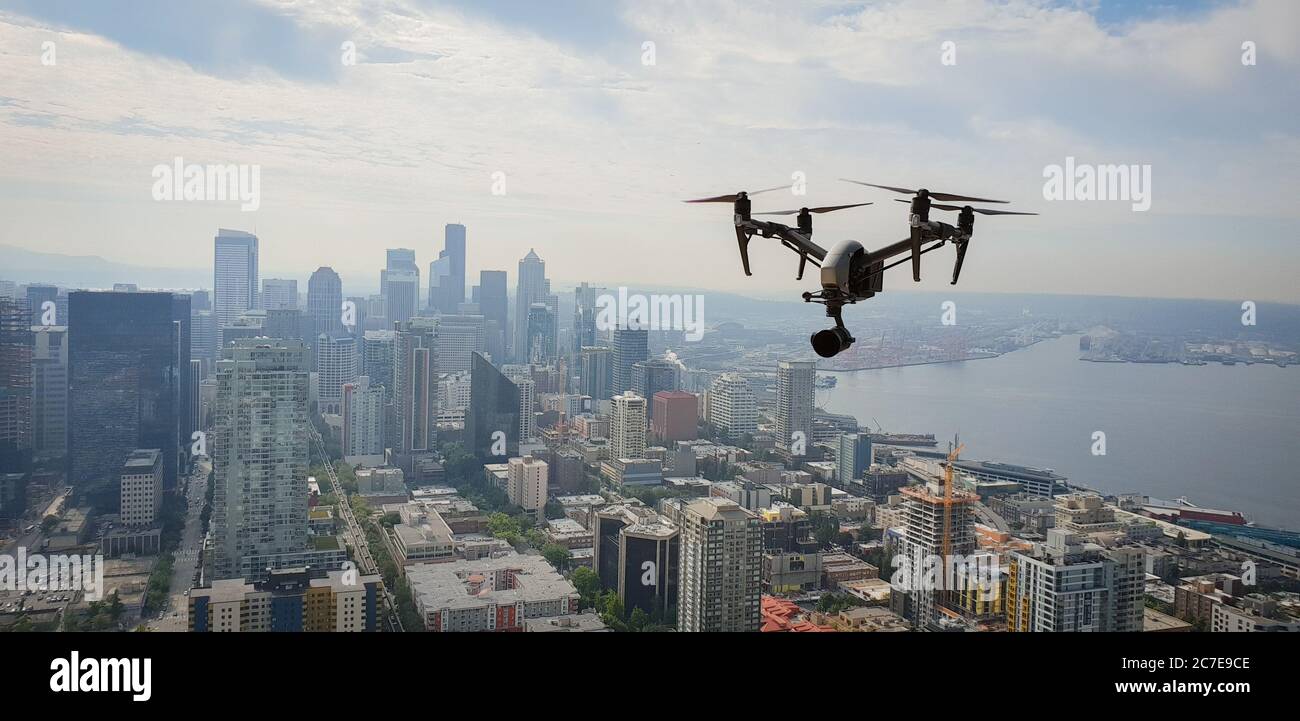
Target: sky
(558, 105)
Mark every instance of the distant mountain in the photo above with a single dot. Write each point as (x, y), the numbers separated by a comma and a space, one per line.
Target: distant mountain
(92, 271)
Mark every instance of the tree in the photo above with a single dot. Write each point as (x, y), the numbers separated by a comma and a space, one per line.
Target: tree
(588, 584)
(639, 620)
(391, 519)
(556, 555)
(48, 522)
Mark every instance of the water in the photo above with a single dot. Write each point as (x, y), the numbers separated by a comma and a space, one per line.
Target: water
(1223, 436)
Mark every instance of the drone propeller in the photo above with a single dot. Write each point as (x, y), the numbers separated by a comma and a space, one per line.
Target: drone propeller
(734, 196)
(981, 211)
(932, 194)
(822, 209)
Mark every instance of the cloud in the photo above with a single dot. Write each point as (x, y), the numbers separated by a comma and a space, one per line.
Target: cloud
(598, 149)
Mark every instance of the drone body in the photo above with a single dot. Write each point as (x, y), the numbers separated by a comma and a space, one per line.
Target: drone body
(849, 272)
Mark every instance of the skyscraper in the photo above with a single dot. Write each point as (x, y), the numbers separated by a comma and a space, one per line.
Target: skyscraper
(279, 293)
(584, 316)
(493, 304)
(123, 386)
(541, 335)
(37, 297)
(234, 282)
(917, 595)
(260, 457)
(325, 301)
(636, 552)
(416, 398)
(363, 418)
(459, 338)
(853, 457)
(627, 427)
(527, 479)
(532, 288)
(50, 391)
(631, 346)
(676, 416)
(595, 372)
(652, 376)
(721, 565)
(336, 365)
(15, 388)
(794, 406)
(493, 409)
(447, 273)
(1070, 585)
(184, 389)
(401, 290)
(731, 406)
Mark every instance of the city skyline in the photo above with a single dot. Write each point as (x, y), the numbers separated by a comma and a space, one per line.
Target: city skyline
(855, 75)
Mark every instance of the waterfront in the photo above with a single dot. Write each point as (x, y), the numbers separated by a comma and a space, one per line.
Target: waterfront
(1223, 436)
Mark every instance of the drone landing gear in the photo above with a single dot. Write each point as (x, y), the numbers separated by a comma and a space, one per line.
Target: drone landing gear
(827, 343)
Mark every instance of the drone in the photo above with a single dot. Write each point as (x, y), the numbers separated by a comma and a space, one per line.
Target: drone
(849, 272)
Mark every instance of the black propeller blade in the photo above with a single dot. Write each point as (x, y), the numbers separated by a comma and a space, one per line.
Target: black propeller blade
(981, 211)
(734, 196)
(933, 194)
(821, 209)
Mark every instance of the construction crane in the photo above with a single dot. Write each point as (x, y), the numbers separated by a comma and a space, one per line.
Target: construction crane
(947, 507)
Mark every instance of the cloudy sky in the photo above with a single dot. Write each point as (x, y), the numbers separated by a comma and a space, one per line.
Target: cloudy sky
(597, 147)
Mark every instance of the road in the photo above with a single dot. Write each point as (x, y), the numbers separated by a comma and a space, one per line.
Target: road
(356, 535)
(187, 556)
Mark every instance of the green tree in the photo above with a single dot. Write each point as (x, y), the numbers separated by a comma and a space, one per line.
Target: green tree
(556, 555)
(588, 584)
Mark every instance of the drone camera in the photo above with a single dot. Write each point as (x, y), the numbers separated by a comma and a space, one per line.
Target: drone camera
(831, 341)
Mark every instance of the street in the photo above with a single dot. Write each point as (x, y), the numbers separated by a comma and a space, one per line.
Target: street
(186, 557)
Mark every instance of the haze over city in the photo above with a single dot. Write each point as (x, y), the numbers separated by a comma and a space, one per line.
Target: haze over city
(593, 142)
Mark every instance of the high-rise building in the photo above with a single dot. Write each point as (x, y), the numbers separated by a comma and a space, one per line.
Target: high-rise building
(37, 297)
(416, 399)
(184, 387)
(627, 427)
(527, 407)
(401, 290)
(541, 335)
(595, 372)
(123, 387)
(919, 592)
(532, 288)
(379, 357)
(636, 553)
(1069, 585)
(676, 416)
(459, 338)
(363, 418)
(794, 406)
(278, 293)
(584, 317)
(142, 491)
(336, 365)
(260, 455)
(631, 346)
(853, 457)
(196, 399)
(234, 282)
(325, 302)
(447, 273)
(493, 305)
(288, 600)
(493, 409)
(15, 389)
(652, 376)
(527, 480)
(49, 391)
(731, 406)
(205, 338)
(721, 566)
